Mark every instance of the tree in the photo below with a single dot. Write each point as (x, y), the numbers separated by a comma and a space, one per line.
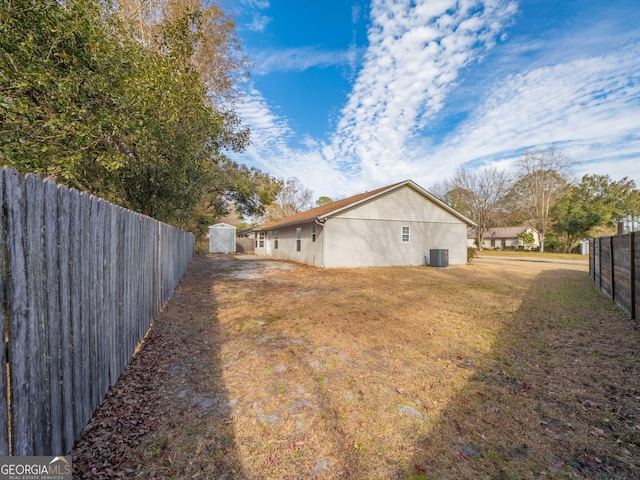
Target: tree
(133, 117)
(478, 196)
(63, 92)
(626, 201)
(291, 199)
(323, 201)
(595, 202)
(543, 178)
(633, 205)
(527, 238)
(214, 48)
(234, 190)
(196, 43)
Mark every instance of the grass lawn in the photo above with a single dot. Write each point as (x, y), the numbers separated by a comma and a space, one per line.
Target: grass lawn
(271, 370)
(534, 254)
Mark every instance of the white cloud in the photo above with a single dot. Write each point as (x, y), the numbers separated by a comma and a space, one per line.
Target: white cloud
(299, 59)
(588, 105)
(259, 4)
(259, 23)
(414, 57)
(270, 150)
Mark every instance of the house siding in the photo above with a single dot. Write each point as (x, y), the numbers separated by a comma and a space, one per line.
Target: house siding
(405, 204)
(310, 251)
(358, 242)
(370, 234)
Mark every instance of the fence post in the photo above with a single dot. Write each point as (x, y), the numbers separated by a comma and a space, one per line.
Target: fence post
(592, 257)
(632, 274)
(613, 286)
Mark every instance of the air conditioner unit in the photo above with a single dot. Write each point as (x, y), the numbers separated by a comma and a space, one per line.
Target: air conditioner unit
(439, 257)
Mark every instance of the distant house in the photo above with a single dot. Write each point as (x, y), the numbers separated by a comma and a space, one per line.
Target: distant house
(245, 233)
(505, 238)
(391, 226)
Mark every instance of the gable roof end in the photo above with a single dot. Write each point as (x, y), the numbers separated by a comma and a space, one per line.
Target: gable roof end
(321, 213)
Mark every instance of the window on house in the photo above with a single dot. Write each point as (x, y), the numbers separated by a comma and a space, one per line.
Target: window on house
(298, 239)
(493, 242)
(275, 239)
(503, 242)
(313, 233)
(261, 240)
(406, 234)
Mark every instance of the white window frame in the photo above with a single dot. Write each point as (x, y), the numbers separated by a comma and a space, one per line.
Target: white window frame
(405, 234)
(276, 236)
(261, 239)
(298, 239)
(313, 233)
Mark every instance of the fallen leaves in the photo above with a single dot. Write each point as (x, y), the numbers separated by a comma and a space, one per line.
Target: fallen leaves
(272, 460)
(126, 414)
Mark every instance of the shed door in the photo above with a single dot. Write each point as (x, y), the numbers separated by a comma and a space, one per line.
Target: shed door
(268, 243)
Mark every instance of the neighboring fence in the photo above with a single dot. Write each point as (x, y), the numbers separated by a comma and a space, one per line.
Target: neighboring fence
(613, 263)
(82, 280)
(245, 245)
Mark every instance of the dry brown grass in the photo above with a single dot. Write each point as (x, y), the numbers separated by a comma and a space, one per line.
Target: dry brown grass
(534, 255)
(496, 369)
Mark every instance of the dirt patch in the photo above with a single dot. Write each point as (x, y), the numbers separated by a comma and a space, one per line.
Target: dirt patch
(264, 369)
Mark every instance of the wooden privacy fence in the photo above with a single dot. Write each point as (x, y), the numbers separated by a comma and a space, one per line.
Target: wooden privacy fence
(613, 263)
(244, 245)
(82, 280)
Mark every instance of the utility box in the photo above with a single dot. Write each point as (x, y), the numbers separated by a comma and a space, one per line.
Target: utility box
(439, 257)
(222, 238)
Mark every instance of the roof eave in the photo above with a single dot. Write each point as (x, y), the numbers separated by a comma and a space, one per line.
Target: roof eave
(286, 224)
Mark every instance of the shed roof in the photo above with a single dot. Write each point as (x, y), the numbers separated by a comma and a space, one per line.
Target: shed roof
(324, 211)
(222, 225)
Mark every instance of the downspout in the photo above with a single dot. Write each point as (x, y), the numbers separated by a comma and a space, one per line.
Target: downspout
(321, 223)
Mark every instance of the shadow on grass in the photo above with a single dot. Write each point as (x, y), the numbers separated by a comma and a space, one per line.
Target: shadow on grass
(157, 421)
(557, 397)
(554, 394)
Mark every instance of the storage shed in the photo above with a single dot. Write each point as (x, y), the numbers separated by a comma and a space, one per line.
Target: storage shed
(222, 238)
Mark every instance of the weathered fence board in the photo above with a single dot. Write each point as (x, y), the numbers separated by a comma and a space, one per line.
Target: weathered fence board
(66, 332)
(18, 330)
(613, 263)
(85, 309)
(35, 348)
(76, 295)
(83, 280)
(4, 401)
(52, 313)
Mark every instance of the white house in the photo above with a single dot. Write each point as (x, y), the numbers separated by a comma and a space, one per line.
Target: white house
(391, 226)
(505, 238)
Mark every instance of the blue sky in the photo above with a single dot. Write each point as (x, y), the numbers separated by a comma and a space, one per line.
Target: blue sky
(348, 96)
